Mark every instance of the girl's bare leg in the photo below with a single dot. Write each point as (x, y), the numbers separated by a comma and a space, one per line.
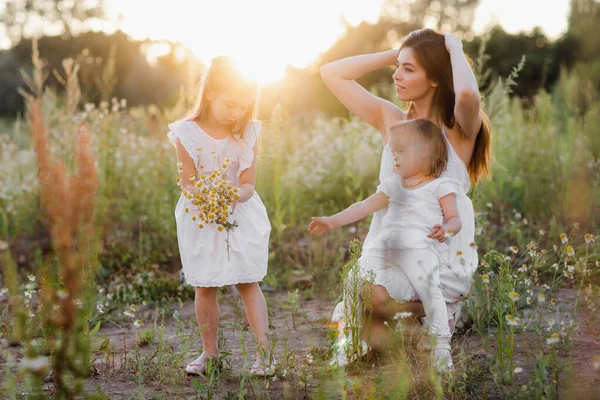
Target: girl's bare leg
(207, 315)
(256, 311)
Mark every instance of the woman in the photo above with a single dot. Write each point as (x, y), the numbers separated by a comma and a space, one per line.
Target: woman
(438, 84)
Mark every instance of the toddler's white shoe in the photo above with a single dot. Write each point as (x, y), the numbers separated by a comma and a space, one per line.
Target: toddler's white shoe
(441, 358)
(340, 358)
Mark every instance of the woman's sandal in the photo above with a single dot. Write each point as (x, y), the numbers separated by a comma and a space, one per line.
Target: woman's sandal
(259, 369)
(198, 366)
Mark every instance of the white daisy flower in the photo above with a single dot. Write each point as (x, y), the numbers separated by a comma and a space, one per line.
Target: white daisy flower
(554, 338)
(541, 297)
(564, 238)
(596, 362)
(511, 321)
(402, 315)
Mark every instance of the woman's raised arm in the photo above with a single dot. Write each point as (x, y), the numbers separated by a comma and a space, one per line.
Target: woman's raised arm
(467, 101)
(339, 76)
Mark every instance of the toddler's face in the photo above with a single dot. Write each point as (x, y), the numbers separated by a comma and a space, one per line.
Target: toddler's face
(409, 151)
(228, 108)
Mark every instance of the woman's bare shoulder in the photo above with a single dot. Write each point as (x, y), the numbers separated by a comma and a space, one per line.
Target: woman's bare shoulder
(463, 146)
(394, 115)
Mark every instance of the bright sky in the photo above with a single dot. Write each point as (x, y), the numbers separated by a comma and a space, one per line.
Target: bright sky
(519, 15)
(267, 35)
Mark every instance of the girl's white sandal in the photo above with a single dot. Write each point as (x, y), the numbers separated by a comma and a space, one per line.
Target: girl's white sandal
(259, 369)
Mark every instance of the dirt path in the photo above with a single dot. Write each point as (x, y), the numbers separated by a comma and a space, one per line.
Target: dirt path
(310, 336)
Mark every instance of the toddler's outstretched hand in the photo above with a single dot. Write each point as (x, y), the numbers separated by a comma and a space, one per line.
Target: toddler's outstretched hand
(439, 233)
(319, 225)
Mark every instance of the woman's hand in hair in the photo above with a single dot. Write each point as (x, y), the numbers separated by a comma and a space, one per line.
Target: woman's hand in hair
(452, 41)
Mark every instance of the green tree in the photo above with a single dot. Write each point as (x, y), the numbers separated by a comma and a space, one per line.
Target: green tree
(454, 16)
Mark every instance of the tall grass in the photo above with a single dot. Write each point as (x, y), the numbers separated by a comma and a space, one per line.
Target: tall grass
(545, 180)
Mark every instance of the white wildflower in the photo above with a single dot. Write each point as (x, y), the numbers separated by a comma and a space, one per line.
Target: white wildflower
(403, 315)
(596, 362)
(554, 338)
(511, 321)
(564, 238)
(523, 268)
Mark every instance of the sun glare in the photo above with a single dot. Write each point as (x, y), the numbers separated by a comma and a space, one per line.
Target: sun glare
(260, 70)
(264, 35)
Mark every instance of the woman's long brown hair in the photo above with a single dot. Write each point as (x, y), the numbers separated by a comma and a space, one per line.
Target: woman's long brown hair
(430, 50)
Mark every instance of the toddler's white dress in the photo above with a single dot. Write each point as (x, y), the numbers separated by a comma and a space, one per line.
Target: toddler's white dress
(205, 257)
(459, 254)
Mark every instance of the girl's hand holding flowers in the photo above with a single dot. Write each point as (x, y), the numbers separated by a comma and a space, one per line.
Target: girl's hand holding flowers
(214, 199)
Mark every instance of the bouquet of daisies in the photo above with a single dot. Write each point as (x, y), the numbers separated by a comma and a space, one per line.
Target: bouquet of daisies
(212, 197)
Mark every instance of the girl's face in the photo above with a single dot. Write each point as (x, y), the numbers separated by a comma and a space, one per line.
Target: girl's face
(409, 152)
(228, 108)
(410, 78)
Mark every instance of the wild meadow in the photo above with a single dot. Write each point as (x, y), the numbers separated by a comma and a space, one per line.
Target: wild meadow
(92, 304)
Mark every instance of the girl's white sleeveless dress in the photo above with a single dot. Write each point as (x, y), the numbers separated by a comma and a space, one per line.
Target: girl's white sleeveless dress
(205, 257)
(459, 256)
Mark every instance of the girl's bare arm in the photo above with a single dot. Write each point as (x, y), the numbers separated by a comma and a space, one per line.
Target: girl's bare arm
(248, 179)
(185, 168)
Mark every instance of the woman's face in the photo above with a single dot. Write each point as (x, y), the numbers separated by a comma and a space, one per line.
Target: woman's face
(410, 78)
(228, 108)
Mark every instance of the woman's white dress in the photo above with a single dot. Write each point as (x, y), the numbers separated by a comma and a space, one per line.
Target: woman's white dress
(206, 258)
